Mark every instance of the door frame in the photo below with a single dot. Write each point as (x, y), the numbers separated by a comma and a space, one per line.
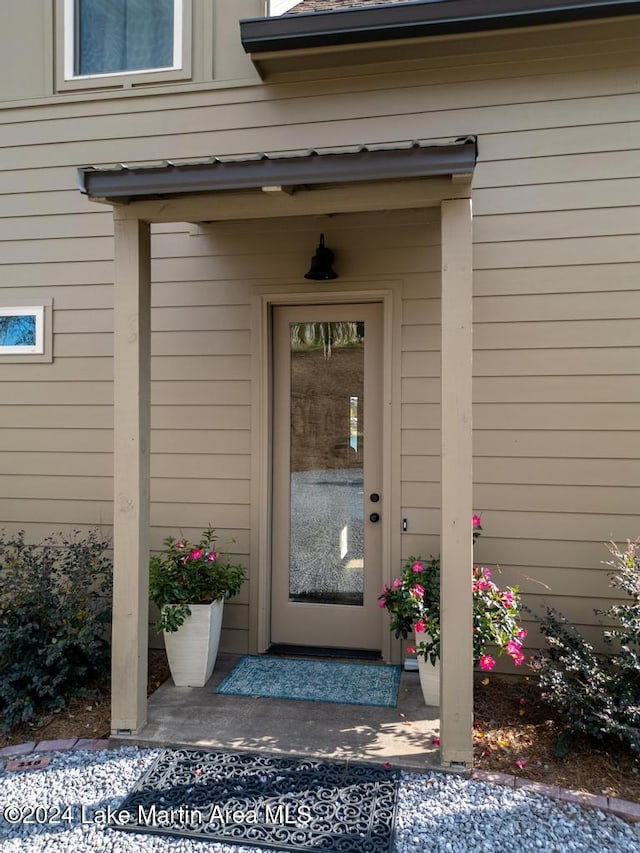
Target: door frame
(388, 294)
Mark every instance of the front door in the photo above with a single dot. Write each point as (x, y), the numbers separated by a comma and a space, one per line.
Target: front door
(327, 476)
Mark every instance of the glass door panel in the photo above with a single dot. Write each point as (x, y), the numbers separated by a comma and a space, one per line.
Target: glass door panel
(326, 541)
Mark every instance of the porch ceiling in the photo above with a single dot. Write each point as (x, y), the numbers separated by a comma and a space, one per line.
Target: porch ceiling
(415, 173)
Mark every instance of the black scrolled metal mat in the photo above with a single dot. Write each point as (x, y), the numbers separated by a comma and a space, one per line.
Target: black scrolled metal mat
(264, 801)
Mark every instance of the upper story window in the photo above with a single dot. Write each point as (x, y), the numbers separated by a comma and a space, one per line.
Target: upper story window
(115, 37)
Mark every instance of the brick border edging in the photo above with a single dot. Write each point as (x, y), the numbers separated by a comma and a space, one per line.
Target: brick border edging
(74, 743)
(625, 809)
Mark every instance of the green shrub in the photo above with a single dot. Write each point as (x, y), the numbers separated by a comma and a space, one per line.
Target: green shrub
(596, 694)
(55, 606)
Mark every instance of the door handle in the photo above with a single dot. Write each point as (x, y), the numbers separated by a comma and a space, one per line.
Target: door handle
(374, 517)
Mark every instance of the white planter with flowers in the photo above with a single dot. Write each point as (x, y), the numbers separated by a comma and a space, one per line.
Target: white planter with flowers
(429, 674)
(192, 649)
(189, 584)
(413, 601)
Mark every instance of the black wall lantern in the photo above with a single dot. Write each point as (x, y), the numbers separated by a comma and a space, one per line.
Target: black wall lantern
(322, 264)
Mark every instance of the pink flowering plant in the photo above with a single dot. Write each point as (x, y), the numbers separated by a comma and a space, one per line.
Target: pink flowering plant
(185, 574)
(413, 601)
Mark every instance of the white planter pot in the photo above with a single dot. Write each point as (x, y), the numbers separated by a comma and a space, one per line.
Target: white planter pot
(193, 648)
(429, 676)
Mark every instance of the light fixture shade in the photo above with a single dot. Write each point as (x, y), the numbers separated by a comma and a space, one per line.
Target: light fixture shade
(322, 264)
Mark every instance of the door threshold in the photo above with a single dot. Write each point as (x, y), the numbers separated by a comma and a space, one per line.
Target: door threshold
(323, 652)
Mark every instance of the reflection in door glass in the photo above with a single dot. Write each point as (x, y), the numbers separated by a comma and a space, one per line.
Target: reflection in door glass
(326, 548)
(353, 423)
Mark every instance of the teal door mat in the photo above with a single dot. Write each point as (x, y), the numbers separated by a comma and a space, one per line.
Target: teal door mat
(313, 681)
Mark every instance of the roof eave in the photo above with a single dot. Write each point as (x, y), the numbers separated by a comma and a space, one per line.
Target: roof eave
(417, 20)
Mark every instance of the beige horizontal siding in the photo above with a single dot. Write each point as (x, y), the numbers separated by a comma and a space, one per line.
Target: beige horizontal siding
(509, 443)
(60, 512)
(234, 441)
(233, 491)
(603, 500)
(233, 543)
(224, 517)
(58, 440)
(201, 367)
(559, 169)
(99, 369)
(24, 464)
(557, 252)
(575, 442)
(577, 361)
(57, 227)
(215, 468)
(535, 307)
(57, 417)
(223, 342)
(548, 225)
(532, 389)
(492, 123)
(28, 395)
(61, 370)
(530, 416)
(517, 553)
(201, 417)
(229, 393)
(50, 487)
(557, 316)
(206, 466)
(587, 195)
(583, 279)
(563, 471)
(459, 85)
(507, 524)
(578, 333)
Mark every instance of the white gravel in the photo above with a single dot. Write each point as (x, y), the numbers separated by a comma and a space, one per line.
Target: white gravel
(63, 806)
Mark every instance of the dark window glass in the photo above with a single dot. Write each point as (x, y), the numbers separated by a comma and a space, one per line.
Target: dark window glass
(123, 35)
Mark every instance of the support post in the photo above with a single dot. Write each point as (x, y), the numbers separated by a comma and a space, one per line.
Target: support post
(132, 380)
(456, 541)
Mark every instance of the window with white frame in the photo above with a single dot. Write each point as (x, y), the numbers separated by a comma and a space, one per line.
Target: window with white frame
(22, 330)
(114, 37)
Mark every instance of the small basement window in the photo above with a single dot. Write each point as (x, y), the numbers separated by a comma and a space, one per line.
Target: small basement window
(25, 333)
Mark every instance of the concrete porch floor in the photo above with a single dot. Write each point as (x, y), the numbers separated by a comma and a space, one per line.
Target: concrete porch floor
(196, 716)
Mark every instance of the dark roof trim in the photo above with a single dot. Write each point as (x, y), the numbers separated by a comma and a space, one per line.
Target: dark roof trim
(422, 18)
(412, 159)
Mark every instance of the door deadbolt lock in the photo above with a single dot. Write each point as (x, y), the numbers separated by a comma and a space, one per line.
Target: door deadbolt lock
(374, 517)
(374, 497)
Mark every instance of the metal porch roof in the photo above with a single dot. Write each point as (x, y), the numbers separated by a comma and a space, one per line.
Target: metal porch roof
(301, 168)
